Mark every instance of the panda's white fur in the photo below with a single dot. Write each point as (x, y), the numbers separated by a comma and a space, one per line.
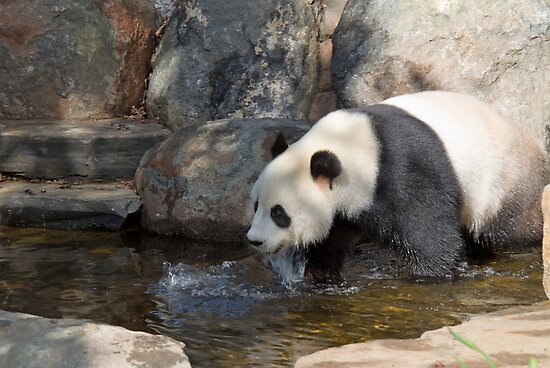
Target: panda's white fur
(495, 163)
(491, 156)
(349, 137)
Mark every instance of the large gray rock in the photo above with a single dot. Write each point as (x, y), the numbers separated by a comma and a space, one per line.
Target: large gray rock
(74, 59)
(236, 59)
(498, 50)
(197, 183)
(510, 338)
(34, 342)
(66, 207)
(108, 149)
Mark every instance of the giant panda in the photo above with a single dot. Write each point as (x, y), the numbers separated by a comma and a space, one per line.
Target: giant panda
(430, 175)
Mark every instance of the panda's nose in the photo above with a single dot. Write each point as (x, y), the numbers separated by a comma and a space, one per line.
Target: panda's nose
(255, 243)
(252, 238)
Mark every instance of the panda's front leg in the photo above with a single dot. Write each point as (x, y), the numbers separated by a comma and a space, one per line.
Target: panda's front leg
(325, 260)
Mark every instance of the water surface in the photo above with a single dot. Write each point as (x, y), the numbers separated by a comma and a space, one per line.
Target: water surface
(226, 305)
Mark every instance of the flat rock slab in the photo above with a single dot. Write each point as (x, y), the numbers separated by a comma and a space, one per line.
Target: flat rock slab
(56, 206)
(509, 337)
(109, 149)
(31, 341)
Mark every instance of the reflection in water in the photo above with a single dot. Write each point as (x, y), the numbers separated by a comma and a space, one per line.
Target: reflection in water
(226, 304)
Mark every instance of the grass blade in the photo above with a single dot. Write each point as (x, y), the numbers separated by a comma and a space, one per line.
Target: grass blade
(533, 363)
(472, 346)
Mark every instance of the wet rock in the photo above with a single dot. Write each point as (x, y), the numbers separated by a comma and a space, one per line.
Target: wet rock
(236, 59)
(66, 207)
(32, 342)
(74, 59)
(497, 50)
(107, 149)
(197, 183)
(510, 338)
(546, 240)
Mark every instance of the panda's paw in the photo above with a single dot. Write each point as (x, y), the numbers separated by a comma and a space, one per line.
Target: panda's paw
(323, 275)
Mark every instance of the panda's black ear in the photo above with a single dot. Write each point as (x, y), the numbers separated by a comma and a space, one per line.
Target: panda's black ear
(324, 167)
(279, 146)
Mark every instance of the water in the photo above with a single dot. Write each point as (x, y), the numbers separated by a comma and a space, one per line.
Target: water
(226, 304)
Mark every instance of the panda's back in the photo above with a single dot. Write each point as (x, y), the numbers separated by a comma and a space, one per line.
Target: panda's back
(496, 162)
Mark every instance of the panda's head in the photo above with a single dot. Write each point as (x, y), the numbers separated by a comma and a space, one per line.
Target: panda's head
(293, 199)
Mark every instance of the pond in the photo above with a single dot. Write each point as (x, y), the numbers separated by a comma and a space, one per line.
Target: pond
(226, 305)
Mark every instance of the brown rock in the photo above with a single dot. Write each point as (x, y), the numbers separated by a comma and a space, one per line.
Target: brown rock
(331, 16)
(323, 103)
(74, 59)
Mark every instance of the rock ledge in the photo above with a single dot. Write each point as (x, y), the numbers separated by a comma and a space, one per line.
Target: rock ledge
(509, 337)
(31, 341)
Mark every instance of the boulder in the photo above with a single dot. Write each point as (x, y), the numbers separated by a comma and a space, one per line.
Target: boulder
(74, 59)
(236, 59)
(108, 149)
(546, 240)
(66, 207)
(35, 342)
(197, 183)
(498, 50)
(509, 338)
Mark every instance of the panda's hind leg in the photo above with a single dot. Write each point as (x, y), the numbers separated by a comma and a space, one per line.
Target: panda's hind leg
(422, 223)
(516, 228)
(431, 250)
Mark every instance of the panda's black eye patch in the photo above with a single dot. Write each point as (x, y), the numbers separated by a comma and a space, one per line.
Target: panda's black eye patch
(279, 216)
(256, 206)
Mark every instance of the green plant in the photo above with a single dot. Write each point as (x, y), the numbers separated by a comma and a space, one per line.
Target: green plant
(531, 364)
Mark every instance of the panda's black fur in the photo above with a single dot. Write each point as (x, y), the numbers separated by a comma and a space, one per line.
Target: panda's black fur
(413, 165)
